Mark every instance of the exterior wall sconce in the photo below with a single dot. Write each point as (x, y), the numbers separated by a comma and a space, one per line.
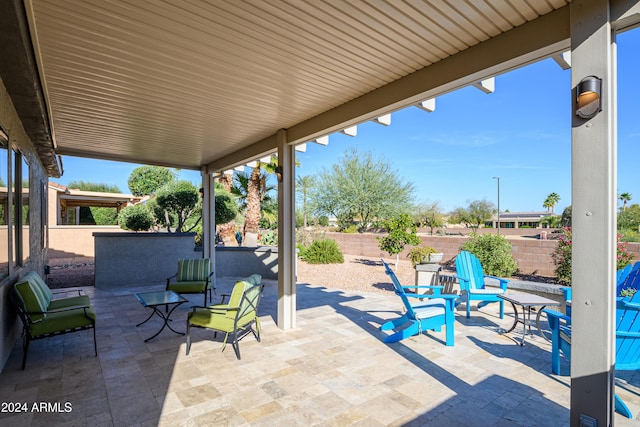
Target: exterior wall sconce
(279, 172)
(588, 103)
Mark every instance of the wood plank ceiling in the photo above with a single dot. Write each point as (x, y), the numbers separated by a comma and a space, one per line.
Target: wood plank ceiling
(187, 82)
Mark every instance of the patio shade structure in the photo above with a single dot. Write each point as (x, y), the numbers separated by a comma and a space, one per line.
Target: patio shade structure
(214, 85)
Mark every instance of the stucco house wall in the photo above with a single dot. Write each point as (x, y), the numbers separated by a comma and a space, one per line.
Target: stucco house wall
(18, 139)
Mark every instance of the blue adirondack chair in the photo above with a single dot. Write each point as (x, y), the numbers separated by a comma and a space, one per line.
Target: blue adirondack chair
(432, 313)
(626, 278)
(471, 278)
(627, 340)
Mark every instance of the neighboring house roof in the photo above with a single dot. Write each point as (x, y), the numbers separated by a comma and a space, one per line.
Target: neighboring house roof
(522, 216)
(74, 197)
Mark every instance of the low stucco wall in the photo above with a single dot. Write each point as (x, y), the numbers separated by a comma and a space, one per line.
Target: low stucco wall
(127, 259)
(244, 261)
(76, 240)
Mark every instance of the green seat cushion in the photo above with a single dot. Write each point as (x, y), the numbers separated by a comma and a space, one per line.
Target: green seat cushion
(218, 320)
(187, 287)
(62, 321)
(194, 270)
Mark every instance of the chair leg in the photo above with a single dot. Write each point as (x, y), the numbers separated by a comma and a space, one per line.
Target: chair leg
(25, 350)
(236, 345)
(188, 337)
(622, 408)
(257, 332)
(95, 343)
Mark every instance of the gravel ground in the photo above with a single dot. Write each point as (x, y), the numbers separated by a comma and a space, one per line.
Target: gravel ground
(356, 274)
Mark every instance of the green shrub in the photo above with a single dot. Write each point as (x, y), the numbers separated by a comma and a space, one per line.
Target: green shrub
(629, 235)
(226, 208)
(494, 252)
(352, 229)
(268, 238)
(135, 218)
(323, 251)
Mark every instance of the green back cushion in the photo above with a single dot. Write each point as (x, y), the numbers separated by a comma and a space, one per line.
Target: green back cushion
(236, 296)
(194, 270)
(34, 295)
(239, 289)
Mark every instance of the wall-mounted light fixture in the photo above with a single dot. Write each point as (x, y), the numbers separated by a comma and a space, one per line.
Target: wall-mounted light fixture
(279, 172)
(588, 97)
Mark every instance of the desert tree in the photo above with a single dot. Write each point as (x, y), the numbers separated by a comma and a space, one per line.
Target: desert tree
(362, 187)
(474, 215)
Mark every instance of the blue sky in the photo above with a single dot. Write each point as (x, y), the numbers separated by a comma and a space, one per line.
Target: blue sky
(520, 133)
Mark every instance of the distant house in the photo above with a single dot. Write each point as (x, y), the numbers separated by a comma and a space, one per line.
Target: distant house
(519, 220)
(64, 203)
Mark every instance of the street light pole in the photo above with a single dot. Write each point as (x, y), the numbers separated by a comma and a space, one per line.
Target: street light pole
(498, 178)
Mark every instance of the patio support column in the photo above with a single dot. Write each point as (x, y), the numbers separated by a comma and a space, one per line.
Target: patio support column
(594, 170)
(208, 217)
(286, 234)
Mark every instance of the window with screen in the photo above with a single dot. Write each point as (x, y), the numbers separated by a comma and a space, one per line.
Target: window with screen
(4, 205)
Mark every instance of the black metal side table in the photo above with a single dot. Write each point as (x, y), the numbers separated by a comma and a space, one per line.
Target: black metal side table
(154, 300)
(527, 302)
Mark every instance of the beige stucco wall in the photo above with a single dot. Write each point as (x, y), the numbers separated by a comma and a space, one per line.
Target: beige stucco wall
(75, 240)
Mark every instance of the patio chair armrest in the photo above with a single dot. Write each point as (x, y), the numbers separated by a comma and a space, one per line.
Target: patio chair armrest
(63, 309)
(503, 282)
(436, 289)
(213, 309)
(171, 277)
(555, 318)
(67, 292)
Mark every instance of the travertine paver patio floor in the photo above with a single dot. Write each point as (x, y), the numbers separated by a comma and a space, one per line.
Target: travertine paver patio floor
(332, 370)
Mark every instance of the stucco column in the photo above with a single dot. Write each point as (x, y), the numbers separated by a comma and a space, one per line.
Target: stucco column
(286, 234)
(209, 218)
(594, 170)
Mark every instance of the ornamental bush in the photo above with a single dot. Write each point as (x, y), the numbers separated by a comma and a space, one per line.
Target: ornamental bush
(135, 218)
(494, 252)
(562, 256)
(323, 251)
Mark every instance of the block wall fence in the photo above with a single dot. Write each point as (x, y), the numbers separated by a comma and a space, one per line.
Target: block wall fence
(532, 255)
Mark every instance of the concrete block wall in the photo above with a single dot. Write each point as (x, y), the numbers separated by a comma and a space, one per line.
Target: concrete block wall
(532, 255)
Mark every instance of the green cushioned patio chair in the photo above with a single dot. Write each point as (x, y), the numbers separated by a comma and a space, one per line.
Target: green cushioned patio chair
(194, 276)
(235, 318)
(42, 316)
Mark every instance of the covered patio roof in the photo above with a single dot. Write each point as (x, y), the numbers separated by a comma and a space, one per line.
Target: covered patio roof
(192, 84)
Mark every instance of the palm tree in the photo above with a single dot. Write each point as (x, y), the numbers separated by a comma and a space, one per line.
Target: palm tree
(227, 232)
(551, 201)
(625, 197)
(251, 191)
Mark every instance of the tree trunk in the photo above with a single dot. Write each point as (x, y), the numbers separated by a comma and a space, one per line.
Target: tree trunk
(227, 231)
(252, 212)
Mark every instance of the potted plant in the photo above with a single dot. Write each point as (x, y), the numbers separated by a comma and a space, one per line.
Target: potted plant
(424, 255)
